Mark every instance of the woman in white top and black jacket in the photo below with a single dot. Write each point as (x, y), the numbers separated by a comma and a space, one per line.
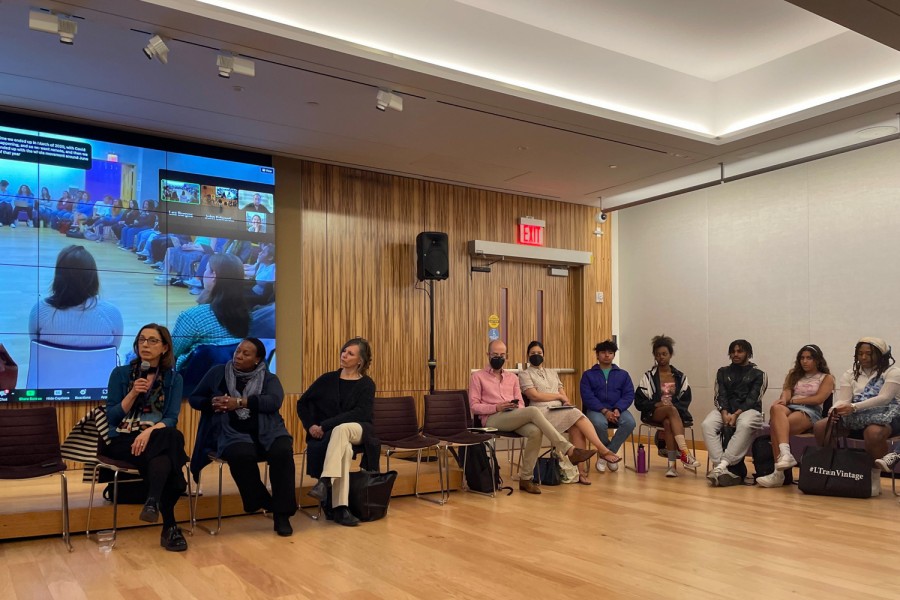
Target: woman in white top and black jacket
(866, 405)
(663, 397)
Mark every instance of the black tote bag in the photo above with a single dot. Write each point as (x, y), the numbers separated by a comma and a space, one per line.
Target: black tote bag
(547, 471)
(834, 471)
(370, 494)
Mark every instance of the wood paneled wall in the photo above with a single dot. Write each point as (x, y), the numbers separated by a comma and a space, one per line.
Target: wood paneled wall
(358, 277)
(346, 267)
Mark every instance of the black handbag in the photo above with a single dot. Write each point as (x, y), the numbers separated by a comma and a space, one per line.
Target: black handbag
(547, 471)
(834, 471)
(370, 494)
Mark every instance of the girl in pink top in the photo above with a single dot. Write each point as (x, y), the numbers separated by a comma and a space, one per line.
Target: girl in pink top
(808, 384)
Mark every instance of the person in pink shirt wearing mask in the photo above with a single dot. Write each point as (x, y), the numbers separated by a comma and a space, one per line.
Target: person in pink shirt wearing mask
(495, 397)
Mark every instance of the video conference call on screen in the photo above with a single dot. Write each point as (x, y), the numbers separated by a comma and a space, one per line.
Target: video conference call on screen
(98, 238)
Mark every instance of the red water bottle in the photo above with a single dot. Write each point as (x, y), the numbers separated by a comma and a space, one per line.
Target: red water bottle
(641, 459)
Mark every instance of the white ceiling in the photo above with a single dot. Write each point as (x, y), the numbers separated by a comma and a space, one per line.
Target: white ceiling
(702, 68)
(709, 39)
(314, 91)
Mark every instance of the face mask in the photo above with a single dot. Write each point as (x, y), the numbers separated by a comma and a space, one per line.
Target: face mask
(536, 359)
(497, 362)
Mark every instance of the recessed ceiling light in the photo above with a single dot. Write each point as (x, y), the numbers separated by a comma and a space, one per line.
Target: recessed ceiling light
(871, 133)
(522, 148)
(613, 166)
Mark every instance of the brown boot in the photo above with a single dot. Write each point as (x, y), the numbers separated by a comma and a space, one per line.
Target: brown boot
(579, 455)
(527, 485)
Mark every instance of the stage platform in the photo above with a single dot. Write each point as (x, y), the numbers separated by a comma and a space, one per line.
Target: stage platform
(31, 508)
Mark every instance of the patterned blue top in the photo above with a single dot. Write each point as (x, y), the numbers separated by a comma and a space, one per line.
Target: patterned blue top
(195, 327)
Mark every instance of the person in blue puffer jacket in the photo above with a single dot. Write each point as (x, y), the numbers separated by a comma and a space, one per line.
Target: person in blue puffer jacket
(606, 394)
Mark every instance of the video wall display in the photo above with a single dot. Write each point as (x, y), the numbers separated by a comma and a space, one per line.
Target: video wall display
(99, 237)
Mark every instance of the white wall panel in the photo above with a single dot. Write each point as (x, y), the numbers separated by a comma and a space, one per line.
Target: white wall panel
(802, 255)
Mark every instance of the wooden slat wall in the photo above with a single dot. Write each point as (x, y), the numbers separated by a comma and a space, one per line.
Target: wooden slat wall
(346, 261)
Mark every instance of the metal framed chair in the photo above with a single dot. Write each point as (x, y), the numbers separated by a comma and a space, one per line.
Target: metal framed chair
(445, 419)
(52, 366)
(397, 427)
(515, 441)
(118, 467)
(220, 462)
(29, 448)
(315, 516)
(652, 428)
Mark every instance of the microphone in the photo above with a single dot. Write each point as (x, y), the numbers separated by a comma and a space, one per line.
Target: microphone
(145, 369)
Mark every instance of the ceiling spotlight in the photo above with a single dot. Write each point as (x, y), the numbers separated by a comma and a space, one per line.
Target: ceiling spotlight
(157, 47)
(229, 64)
(50, 23)
(386, 99)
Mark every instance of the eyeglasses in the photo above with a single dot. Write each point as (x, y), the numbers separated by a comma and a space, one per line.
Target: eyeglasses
(151, 341)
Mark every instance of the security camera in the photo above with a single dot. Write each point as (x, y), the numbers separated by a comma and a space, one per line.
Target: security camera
(601, 217)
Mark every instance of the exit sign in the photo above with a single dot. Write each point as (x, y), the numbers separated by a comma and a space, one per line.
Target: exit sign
(531, 231)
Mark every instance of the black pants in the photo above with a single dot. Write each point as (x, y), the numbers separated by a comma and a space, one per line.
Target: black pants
(160, 464)
(243, 459)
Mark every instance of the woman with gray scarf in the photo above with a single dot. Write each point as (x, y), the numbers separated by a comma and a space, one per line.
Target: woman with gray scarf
(243, 400)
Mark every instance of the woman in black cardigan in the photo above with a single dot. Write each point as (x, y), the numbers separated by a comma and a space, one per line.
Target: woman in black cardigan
(336, 412)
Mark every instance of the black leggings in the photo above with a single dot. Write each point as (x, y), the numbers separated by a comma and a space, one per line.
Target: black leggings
(243, 459)
(160, 464)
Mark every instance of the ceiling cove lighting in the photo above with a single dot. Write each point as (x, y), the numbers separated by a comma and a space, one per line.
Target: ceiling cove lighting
(806, 104)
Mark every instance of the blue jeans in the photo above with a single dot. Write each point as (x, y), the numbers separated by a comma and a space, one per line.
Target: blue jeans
(623, 429)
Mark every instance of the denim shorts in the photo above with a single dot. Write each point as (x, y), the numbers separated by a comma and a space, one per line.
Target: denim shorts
(813, 412)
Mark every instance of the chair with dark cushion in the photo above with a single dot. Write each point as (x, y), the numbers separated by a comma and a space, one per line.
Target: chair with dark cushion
(29, 448)
(515, 441)
(446, 420)
(397, 427)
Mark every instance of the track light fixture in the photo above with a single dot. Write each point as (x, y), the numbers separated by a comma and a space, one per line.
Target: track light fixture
(386, 99)
(228, 64)
(157, 48)
(47, 22)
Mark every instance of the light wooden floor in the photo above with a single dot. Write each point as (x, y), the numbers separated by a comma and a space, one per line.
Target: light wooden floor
(626, 536)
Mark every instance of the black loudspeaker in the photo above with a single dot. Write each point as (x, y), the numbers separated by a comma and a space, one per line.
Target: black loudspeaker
(432, 261)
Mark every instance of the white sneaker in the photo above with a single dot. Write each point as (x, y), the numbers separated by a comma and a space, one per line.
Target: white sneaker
(886, 463)
(713, 476)
(671, 472)
(13, 224)
(611, 466)
(771, 480)
(785, 462)
(601, 465)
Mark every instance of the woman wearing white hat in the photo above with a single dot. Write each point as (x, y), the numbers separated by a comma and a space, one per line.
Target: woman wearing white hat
(867, 403)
